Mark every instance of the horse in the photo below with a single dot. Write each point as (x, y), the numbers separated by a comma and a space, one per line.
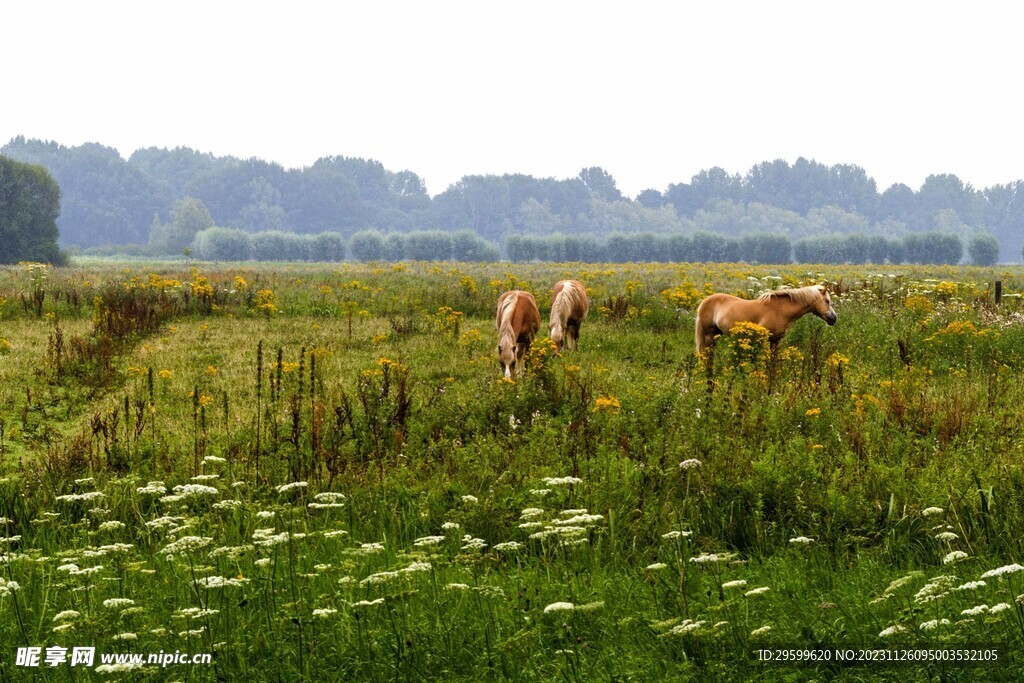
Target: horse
(517, 320)
(569, 307)
(775, 310)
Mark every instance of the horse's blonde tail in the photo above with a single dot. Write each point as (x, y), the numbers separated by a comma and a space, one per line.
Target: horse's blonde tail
(699, 339)
(559, 313)
(505, 318)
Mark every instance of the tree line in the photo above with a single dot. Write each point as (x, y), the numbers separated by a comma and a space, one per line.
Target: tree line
(756, 248)
(109, 200)
(232, 244)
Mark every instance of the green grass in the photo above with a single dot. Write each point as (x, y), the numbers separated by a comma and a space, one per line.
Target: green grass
(428, 567)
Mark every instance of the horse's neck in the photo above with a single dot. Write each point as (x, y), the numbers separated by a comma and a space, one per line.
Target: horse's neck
(793, 310)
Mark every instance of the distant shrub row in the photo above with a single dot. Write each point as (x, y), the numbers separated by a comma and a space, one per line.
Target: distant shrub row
(231, 244)
(923, 247)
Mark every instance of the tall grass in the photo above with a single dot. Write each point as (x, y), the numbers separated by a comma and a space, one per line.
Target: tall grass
(321, 474)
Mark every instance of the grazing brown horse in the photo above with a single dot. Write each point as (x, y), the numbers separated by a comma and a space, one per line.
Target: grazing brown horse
(569, 307)
(517, 321)
(774, 310)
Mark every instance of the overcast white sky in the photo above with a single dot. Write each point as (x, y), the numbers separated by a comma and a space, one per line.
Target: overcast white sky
(653, 92)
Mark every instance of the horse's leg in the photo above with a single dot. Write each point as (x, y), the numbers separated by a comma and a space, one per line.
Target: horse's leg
(574, 333)
(522, 348)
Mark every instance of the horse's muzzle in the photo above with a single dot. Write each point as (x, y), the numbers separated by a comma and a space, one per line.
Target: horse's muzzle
(831, 318)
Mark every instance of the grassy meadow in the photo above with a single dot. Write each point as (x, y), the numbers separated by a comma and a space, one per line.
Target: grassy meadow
(317, 472)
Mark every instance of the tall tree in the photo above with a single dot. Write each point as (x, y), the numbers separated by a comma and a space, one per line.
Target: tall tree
(188, 217)
(600, 183)
(29, 206)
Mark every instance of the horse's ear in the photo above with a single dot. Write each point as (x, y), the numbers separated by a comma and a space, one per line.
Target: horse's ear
(824, 288)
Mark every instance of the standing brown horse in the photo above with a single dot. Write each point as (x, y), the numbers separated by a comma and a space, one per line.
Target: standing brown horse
(775, 311)
(517, 321)
(569, 307)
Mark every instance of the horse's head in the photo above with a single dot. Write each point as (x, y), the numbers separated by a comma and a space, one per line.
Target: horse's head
(556, 333)
(823, 307)
(507, 358)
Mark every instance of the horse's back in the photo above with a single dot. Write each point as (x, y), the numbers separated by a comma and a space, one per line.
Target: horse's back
(526, 318)
(502, 300)
(580, 304)
(714, 301)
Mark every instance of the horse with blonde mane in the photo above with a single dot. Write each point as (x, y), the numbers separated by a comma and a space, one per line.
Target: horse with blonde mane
(775, 310)
(517, 321)
(569, 307)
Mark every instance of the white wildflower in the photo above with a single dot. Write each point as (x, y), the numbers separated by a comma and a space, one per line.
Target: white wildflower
(687, 626)
(193, 490)
(676, 534)
(1002, 571)
(562, 481)
(118, 603)
(756, 591)
(73, 497)
(946, 536)
(579, 519)
(707, 558)
(802, 540)
(938, 587)
(559, 607)
(971, 585)
(928, 512)
(934, 624)
(892, 630)
(220, 582)
(186, 544)
(284, 488)
(507, 545)
(975, 611)
(738, 583)
(690, 464)
(368, 603)
(656, 566)
(954, 556)
(379, 577)
(428, 541)
(760, 631)
(324, 612)
(470, 500)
